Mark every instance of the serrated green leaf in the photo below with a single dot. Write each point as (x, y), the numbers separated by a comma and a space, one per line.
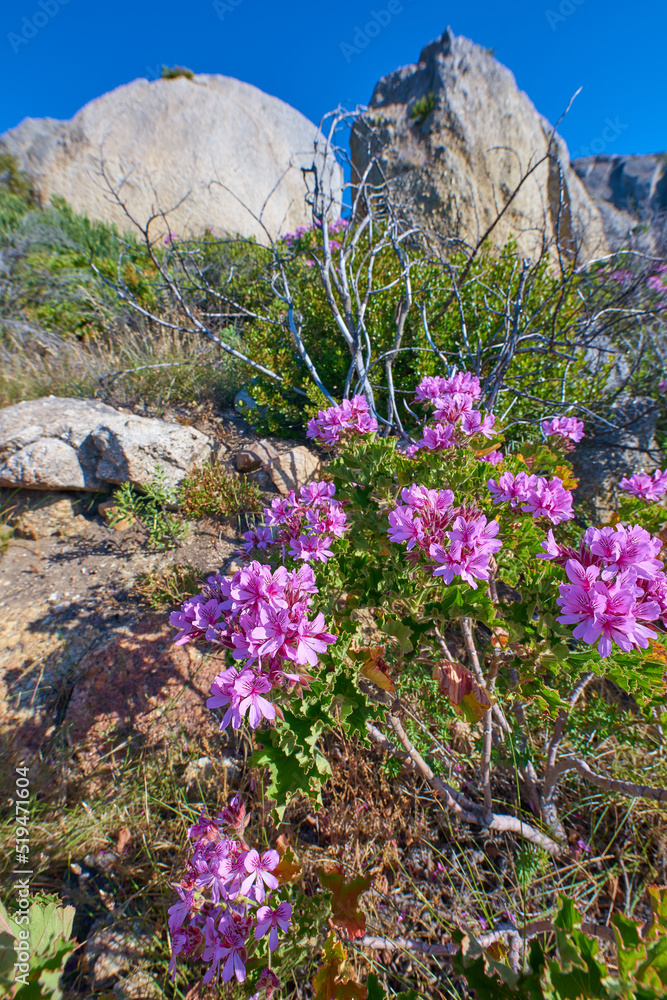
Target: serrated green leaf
(401, 632)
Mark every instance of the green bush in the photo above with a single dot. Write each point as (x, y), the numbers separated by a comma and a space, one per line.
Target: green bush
(213, 490)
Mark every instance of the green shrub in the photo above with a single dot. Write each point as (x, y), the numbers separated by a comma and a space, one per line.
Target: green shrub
(149, 508)
(423, 107)
(165, 588)
(213, 490)
(50, 943)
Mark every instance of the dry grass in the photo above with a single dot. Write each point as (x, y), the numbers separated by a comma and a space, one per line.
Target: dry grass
(430, 874)
(35, 363)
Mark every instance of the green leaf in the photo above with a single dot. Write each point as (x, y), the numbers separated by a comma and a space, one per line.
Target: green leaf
(400, 631)
(288, 774)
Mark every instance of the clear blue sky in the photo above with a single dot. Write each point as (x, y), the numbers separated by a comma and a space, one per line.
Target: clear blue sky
(295, 49)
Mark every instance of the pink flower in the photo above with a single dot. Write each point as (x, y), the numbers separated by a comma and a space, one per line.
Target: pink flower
(549, 499)
(475, 423)
(272, 919)
(268, 983)
(308, 547)
(179, 912)
(656, 284)
(511, 489)
(184, 620)
(565, 427)
(538, 496)
(258, 538)
(353, 416)
(617, 586)
(438, 437)
(405, 527)
(644, 486)
(260, 868)
(250, 687)
(317, 493)
(230, 945)
(432, 387)
(225, 691)
(455, 406)
(473, 541)
(311, 639)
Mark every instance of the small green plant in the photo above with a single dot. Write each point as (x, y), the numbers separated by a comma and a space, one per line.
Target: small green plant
(213, 490)
(172, 72)
(636, 971)
(6, 529)
(34, 946)
(423, 107)
(169, 586)
(150, 509)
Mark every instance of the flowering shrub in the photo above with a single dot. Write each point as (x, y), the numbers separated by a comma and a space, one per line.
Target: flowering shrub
(491, 585)
(223, 899)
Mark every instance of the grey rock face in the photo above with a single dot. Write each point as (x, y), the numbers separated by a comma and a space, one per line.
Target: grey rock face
(293, 469)
(255, 456)
(628, 190)
(211, 152)
(454, 135)
(82, 444)
(600, 461)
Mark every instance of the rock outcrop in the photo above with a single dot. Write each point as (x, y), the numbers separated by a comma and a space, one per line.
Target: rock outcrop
(82, 444)
(210, 152)
(454, 136)
(608, 454)
(629, 191)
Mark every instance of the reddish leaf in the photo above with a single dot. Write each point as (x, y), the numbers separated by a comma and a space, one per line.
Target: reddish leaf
(564, 473)
(500, 638)
(288, 867)
(327, 982)
(459, 686)
(124, 838)
(346, 914)
(350, 990)
(324, 980)
(375, 668)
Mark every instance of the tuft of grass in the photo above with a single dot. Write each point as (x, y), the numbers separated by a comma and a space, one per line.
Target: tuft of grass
(168, 587)
(213, 490)
(155, 368)
(423, 107)
(150, 508)
(172, 72)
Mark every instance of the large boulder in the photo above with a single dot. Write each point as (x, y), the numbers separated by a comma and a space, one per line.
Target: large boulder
(454, 135)
(210, 152)
(608, 452)
(82, 444)
(629, 191)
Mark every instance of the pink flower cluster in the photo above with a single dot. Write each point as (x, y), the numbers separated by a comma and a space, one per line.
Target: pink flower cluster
(453, 400)
(306, 525)
(644, 486)
(261, 616)
(565, 427)
(222, 896)
(457, 541)
(335, 227)
(538, 496)
(617, 586)
(352, 417)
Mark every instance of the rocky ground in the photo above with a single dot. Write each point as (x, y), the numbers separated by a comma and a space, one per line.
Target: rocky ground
(69, 599)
